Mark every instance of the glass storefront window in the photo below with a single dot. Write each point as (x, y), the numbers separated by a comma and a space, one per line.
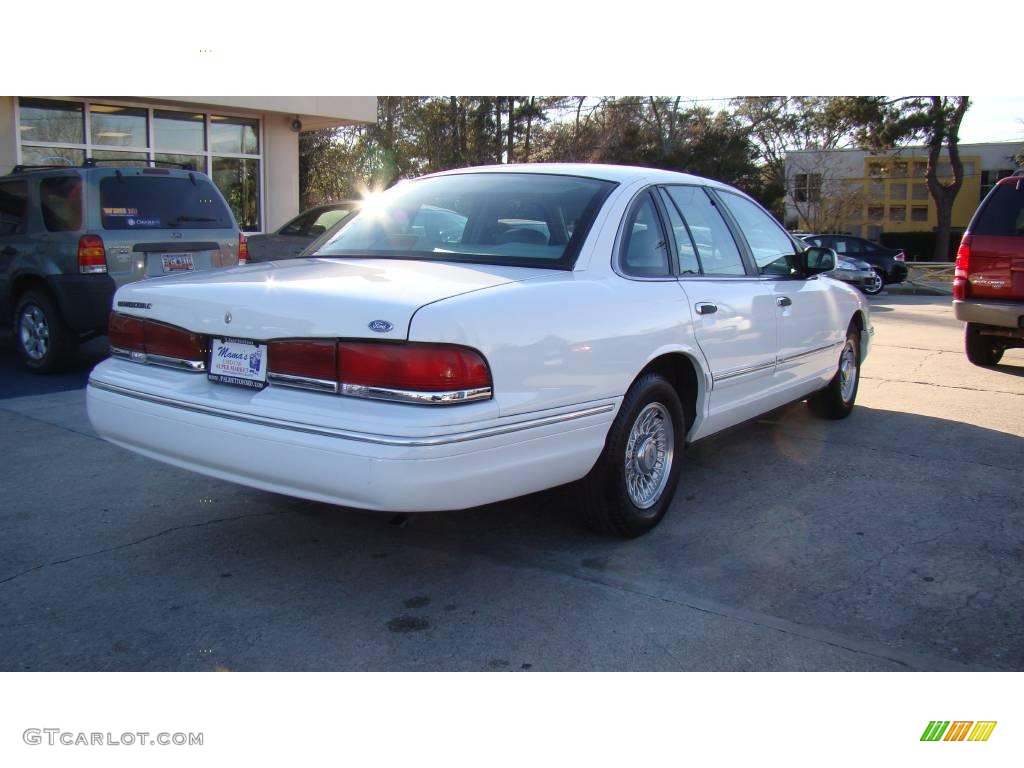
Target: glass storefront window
(57, 121)
(51, 156)
(179, 131)
(117, 126)
(123, 158)
(239, 180)
(237, 135)
(198, 162)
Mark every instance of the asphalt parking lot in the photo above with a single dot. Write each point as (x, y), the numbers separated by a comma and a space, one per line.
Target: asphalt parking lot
(893, 540)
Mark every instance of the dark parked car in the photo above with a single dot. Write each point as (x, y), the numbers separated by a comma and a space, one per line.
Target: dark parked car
(71, 235)
(887, 262)
(291, 239)
(988, 287)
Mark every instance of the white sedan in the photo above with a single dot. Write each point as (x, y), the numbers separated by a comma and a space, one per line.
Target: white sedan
(485, 333)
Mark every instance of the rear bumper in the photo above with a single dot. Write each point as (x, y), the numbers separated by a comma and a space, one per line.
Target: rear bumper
(478, 464)
(1004, 314)
(84, 300)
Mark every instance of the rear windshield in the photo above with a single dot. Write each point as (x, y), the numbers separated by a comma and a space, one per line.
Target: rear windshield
(161, 202)
(1003, 213)
(521, 219)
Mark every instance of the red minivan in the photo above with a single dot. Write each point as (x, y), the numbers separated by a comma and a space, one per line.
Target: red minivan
(988, 289)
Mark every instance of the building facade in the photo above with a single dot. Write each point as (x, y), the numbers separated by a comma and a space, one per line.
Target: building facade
(866, 194)
(248, 145)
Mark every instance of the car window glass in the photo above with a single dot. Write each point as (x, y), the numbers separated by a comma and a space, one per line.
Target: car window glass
(299, 225)
(714, 243)
(1003, 214)
(13, 206)
(326, 220)
(161, 202)
(814, 241)
(855, 246)
(644, 251)
(771, 247)
(60, 199)
(689, 264)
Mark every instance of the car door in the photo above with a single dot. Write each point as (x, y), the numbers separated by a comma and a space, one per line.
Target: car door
(733, 309)
(808, 336)
(15, 243)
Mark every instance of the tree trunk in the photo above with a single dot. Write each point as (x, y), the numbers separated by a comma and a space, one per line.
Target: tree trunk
(511, 101)
(945, 129)
(529, 122)
(497, 129)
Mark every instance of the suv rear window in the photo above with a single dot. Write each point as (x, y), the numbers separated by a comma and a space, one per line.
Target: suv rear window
(161, 202)
(1003, 212)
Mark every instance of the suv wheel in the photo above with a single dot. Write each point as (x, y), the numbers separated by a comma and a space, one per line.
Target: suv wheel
(631, 486)
(44, 342)
(981, 350)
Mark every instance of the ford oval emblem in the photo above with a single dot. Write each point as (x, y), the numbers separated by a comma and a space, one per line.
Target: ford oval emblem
(227, 317)
(381, 326)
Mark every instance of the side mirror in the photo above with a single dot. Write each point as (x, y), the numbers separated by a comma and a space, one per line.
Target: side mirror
(816, 260)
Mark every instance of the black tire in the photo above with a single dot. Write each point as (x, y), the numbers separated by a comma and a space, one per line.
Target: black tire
(45, 344)
(981, 350)
(837, 399)
(879, 285)
(607, 504)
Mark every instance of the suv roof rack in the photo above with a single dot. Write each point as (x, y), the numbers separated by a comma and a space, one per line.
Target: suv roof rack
(92, 162)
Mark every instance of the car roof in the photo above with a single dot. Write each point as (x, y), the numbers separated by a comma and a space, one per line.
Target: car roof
(617, 173)
(21, 171)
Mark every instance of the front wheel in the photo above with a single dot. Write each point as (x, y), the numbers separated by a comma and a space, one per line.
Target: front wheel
(875, 285)
(836, 400)
(981, 350)
(630, 487)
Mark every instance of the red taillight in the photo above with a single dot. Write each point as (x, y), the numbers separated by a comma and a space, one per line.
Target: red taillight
(963, 268)
(411, 367)
(127, 333)
(243, 249)
(171, 341)
(92, 256)
(308, 359)
(901, 256)
(138, 339)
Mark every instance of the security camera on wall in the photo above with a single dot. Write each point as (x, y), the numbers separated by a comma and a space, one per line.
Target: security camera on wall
(296, 124)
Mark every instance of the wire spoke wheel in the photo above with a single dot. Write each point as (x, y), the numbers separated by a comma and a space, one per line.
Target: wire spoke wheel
(848, 371)
(648, 456)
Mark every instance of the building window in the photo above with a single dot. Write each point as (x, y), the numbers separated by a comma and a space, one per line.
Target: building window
(897, 213)
(920, 170)
(919, 213)
(876, 170)
(876, 212)
(876, 190)
(919, 192)
(898, 191)
(989, 178)
(807, 187)
(899, 170)
(227, 147)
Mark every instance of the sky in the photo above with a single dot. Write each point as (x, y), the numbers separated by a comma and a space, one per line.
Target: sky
(993, 118)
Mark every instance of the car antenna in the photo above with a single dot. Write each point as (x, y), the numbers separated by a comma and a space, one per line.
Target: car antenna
(192, 178)
(120, 176)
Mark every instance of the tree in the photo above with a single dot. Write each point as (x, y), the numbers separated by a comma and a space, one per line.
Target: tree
(933, 119)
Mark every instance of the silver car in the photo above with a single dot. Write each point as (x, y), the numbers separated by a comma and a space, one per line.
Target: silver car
(292, 238)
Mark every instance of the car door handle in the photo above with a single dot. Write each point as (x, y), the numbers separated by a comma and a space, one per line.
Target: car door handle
(783, 301)
(706, 308)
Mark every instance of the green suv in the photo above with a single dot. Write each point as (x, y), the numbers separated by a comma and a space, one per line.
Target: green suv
(70, 236)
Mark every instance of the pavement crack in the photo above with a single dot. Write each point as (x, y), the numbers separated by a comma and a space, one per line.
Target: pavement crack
(941, 386)
(135, 542)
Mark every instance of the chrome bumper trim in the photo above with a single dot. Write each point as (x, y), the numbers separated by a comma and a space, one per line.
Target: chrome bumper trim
(194, 366)
(360, 437)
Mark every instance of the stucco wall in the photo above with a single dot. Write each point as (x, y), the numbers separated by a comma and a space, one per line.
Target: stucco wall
(281, 158)
(8, 132)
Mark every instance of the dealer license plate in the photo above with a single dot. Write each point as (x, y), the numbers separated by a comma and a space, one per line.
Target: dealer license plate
(178, 262)
(238, 361)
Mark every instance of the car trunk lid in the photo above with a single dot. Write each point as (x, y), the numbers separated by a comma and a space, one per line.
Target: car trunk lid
(310, 297)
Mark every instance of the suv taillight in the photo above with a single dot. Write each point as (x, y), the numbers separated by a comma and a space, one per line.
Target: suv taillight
(92, 256)
(404, 372)
(963, 268)
(243, 249)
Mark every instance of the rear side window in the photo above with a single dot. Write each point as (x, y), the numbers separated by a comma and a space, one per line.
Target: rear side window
(715, 247)
(644, 251)
(161, 202)
(1003, 214)
(60, 199)
(13, 206)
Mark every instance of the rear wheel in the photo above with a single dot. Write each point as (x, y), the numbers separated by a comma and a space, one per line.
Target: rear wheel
(981, 350)
(44, 343)
(836, 400)
(631, 486)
